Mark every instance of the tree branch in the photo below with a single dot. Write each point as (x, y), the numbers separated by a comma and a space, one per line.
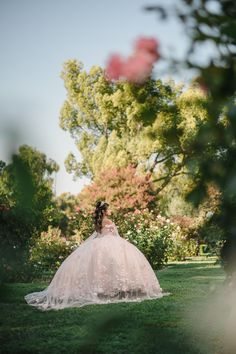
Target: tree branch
(156, 161)
(168, 178)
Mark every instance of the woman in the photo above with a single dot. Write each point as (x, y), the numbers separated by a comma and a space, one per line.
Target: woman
(105, 268)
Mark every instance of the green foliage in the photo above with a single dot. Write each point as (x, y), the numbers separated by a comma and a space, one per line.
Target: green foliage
(49, 250)
(118, 124)
(172, 201)
(212, 236)
(182, 247)
(159, 238)
(74, 219)
(27, 207)
(214, 159)
(81, 224)
(154, 243)
(153, 234)
(26, 183)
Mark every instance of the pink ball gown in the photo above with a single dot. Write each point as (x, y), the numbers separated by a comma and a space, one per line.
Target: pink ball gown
(105, 268)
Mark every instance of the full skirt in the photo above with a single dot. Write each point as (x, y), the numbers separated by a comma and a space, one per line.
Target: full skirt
(101, 270)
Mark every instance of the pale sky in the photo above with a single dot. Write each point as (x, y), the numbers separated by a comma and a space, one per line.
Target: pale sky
(37, 37)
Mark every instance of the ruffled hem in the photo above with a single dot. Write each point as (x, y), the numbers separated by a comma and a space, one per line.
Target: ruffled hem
(41, 301)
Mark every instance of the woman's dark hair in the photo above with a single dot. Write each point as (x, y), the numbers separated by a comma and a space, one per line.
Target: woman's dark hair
(101, 207)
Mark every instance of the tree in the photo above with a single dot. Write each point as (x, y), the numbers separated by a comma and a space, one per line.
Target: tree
(26, 193)
(117, 124)
(215, 140)
(122, 188)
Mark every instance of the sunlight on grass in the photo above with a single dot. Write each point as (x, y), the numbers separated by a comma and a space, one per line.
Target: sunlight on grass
(118, 328)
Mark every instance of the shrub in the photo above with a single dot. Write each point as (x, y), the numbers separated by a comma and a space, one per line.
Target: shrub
(150, 233)
(153, 243)
(50, 249)
(154, 235)
(212, 236)
(80, 223)
(182, 246)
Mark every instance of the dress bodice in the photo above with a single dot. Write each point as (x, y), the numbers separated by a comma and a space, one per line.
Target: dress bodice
(108, 229)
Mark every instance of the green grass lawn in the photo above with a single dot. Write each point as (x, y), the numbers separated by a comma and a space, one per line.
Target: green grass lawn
(152, 326)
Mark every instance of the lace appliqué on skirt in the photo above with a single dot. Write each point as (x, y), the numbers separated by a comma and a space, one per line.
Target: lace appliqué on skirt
(104, 269)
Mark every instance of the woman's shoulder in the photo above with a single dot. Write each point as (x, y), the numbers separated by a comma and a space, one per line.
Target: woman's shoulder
(107, 222)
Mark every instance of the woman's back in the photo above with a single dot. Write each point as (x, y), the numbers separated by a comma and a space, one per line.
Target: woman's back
(108, 227)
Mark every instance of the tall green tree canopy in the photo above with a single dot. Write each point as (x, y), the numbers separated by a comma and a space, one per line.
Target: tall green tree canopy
(117, 124)
(28, 174)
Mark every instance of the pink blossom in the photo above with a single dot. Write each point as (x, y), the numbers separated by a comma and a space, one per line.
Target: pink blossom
(77, 208)
(149, 45)
(114, 67)
(138, 67)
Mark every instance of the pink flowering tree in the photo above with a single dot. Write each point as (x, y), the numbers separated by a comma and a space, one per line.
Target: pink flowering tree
(122, 188)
